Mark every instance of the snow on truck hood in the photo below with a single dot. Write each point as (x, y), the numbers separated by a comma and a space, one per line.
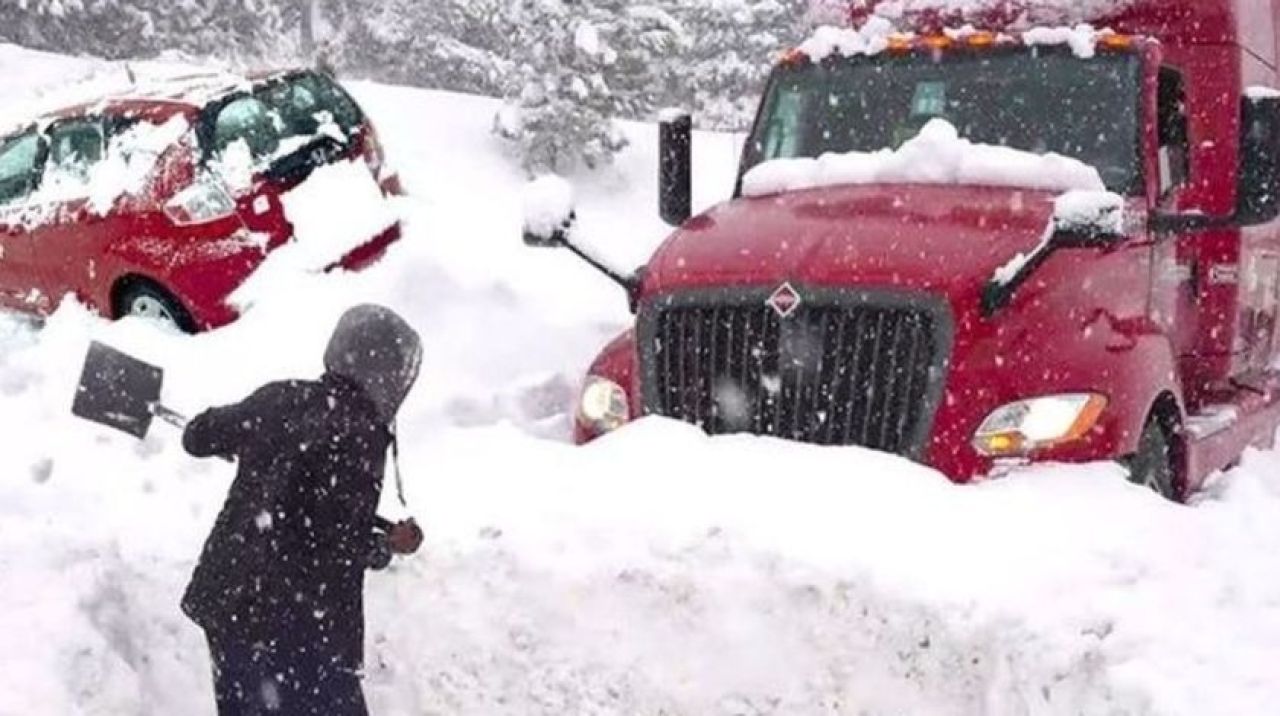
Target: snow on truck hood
(937, 155)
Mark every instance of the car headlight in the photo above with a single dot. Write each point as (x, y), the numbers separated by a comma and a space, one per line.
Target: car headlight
(603, 405)
(1020, 428)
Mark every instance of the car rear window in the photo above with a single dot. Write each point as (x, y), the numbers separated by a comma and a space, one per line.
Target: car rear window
(282, 116)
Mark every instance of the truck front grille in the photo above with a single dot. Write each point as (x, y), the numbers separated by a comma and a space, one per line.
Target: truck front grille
(844, 369)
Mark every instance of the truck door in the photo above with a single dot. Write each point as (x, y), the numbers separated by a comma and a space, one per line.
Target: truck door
(21, 157)
(1262, 300)
(1259, 279)
(1173, 300)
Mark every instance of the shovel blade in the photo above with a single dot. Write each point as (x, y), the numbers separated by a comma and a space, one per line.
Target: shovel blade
(117, 390)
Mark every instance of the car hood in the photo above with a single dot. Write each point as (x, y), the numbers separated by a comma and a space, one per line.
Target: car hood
(942, 239)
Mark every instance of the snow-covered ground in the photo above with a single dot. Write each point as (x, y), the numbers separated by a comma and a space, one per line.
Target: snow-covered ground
(654, 572)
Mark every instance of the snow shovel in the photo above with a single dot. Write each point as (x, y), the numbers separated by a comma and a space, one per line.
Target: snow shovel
(121, 392)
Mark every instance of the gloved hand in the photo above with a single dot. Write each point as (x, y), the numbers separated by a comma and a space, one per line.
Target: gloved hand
(405, 537)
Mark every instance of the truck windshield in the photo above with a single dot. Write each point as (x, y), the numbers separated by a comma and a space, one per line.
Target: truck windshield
(1038, 100)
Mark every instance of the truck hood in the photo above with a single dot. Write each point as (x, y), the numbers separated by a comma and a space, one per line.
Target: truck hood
(940, 239)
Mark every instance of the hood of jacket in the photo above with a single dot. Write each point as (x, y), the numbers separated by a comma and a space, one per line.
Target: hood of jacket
(376, 349)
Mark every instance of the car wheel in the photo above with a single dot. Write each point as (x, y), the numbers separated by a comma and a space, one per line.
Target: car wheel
(154, 304)
(1154, 467)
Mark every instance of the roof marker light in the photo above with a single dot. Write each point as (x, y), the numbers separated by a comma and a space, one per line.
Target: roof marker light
(981, 39)
(899, 42)
(793, 57)
(1112, 41)
(937, 42)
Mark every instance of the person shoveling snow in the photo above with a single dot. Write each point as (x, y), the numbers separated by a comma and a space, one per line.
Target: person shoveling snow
(278, 588)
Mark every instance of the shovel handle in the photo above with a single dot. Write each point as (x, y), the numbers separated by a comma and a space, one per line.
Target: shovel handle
(174, 418)
(179, 421)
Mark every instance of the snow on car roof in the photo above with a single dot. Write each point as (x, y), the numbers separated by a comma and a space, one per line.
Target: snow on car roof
(151, 85)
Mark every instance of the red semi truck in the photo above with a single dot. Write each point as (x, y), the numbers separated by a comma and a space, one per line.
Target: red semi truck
(887, 313)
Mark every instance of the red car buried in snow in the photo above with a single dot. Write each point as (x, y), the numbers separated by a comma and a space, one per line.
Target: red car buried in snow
(163, 201)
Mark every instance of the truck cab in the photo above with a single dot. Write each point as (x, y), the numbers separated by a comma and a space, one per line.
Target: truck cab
(980, 238)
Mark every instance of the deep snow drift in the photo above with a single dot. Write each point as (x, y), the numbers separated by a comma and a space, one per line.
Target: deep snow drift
(656, 571)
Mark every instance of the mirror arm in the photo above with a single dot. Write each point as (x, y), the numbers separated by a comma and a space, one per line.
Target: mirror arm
(627, 282)
(997, 295)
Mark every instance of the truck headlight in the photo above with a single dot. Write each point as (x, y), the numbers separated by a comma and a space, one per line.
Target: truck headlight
(1020, 428)
(603, 405)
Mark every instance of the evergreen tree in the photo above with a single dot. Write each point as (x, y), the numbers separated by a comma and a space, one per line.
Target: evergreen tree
(734, 46)
(457, 45)
(559, 112)
(647, 43)
(120, 29)
(567, 68)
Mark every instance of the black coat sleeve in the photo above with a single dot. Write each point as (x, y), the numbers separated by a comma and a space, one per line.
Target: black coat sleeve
(221, 431)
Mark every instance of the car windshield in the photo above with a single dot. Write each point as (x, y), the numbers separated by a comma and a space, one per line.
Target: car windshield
(283, 116)
(1038, 100)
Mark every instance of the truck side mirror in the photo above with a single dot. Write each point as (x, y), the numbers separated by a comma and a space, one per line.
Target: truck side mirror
(1081, 220)
(1258, 191)
(1088, 219)
(549, 213)
(675, 166)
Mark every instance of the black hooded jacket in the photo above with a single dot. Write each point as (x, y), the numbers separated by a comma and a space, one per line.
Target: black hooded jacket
(286, 558)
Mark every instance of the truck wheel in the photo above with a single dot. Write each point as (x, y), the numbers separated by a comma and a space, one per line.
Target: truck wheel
(154, 303)
(1153, 467)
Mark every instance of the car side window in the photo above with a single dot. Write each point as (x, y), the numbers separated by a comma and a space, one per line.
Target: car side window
(19, 167)
(74, 148)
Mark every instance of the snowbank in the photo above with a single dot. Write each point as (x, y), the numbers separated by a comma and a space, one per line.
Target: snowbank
(662, 571)
(657, 571)
(938, 155)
